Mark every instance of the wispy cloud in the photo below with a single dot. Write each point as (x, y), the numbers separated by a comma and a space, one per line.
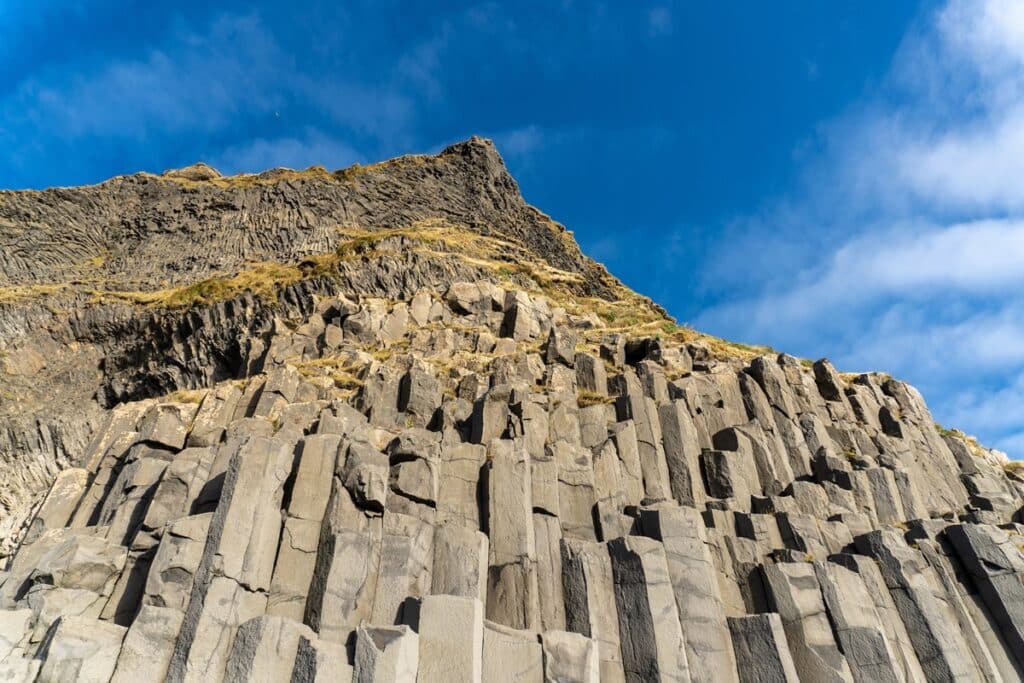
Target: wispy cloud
(200, 81)
(226, 88)
(906, 252)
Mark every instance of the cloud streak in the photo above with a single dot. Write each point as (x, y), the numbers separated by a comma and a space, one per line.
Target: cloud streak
(907, 248)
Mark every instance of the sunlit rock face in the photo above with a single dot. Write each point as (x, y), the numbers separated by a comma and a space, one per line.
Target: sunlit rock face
(390, 424)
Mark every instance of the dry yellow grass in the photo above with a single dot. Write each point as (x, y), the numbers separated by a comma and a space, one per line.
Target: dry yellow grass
(971, 442)
(263, 280)
(186, 396)
(271, 177)
(19, 293)
(342, 371)
(586, 398)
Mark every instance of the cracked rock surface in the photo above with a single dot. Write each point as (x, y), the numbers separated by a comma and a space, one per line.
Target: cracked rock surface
(437, 443)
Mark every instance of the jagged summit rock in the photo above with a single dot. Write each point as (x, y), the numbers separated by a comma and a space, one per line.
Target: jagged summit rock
(197, 171)
(389, 423)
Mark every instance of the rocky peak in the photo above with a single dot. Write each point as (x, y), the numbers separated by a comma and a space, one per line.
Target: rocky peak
(389, 424)
(197, 171)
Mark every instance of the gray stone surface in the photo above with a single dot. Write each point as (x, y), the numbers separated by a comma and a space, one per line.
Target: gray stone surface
(386, 654)
(451, 639)
(653, 647)
(570, 658)
(697, 594)
(762, 651)
(511, 655)
(796, 595)
(451, 416)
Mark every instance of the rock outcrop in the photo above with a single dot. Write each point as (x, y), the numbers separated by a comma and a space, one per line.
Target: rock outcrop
(434, 442)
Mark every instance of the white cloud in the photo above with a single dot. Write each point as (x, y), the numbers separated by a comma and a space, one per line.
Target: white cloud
(907, 254)
(1012, 445)
(1000, 409)
(208, 78)
(206, 82)
(976, 168)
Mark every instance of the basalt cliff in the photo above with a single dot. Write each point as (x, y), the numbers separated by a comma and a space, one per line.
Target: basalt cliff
(390, 424)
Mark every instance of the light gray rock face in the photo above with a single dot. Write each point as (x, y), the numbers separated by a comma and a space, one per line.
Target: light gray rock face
(859, 629)
(386, 654)
(797, 598)
(511, 655)
(454, 449)
(265, 649)
(512, 592)
(570, 657)
(923, 606)
(81, 650)
(995, 562)
(694, 579)
(590, 602)
(451, 639)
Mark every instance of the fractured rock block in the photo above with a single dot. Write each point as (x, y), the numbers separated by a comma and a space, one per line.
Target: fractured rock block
(404, 569)
(561, 346)
(548, 536)
(590, 601)
(653, 647)
(171, 573)
(460, 562)
(451, 632)
(730, 475)
(365, 475)
(460, 477)
(511, 655)
(512, 593)
(996, 564)
(419, 394)
(80, 649)
(859, 629)
(81, 562)
(576, 497)
(264, 649)
(591, 374)
(60, 502)
(341, 593)
(416, 465)
(318, 659)
(570, 658)
(167, 425)
(922, 604)
(698, 597)
(682, 454)
(762, 651)
(386, 654)
(643, 411)
(148, 645)
(796, 596)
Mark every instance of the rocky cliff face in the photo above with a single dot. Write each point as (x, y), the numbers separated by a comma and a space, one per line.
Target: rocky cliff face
(389, 424)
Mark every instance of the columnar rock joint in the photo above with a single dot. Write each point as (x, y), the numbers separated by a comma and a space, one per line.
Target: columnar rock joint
(432, 463)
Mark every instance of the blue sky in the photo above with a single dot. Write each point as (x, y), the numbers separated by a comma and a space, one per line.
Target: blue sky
(836, 179)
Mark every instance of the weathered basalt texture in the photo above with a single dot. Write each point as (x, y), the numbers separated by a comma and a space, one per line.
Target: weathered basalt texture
(420, 465)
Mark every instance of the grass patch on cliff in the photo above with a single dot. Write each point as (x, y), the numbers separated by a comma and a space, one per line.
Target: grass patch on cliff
(264, 280)
(586, 398)
(20, 293)
(971, 442)
(242, 180)
(345, 372)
